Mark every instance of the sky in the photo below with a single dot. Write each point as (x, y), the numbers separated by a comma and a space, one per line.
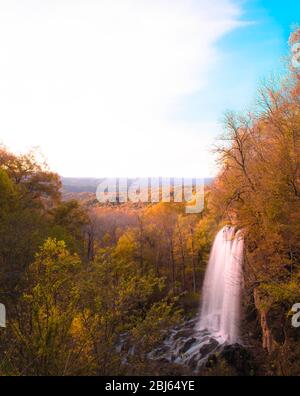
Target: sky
(116, 88)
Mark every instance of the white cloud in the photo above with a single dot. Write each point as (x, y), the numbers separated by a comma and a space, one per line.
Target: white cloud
(93, 83)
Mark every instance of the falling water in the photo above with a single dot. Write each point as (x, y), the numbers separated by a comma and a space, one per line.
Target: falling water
(221, 296)
(218, 326)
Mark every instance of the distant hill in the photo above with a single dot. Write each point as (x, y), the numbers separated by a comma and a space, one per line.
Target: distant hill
(89, 185)
(80, 184)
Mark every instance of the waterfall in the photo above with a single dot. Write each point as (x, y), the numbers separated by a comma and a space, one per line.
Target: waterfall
(221, 295)
(192, 343)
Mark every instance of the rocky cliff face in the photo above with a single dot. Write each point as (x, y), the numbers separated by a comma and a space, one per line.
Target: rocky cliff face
(202, 354)
(270, 335)
(263, 308)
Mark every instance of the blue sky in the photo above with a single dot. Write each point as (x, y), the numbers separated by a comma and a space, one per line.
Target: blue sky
(133, 87)
(249, 55)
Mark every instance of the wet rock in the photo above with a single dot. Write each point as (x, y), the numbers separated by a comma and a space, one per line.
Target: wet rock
(161, 350)
(187, 345)
(239, 358)
(193, 362)
(211, 361)
(184, 334)
(196, 350)
(209, 347)
(164, 360)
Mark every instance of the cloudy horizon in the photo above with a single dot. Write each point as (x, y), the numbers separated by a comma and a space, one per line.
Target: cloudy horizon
(102, 88)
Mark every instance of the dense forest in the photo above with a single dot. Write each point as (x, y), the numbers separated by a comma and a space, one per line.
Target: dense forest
(76, 277)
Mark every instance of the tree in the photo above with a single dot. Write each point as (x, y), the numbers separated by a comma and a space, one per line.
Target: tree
(42, 329)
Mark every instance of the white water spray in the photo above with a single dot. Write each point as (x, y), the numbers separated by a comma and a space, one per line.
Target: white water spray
(218, 326)
(221, 296)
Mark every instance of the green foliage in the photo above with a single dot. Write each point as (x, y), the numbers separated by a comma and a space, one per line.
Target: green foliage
(287, 292)
(42, 330)
(7, 194)
(149, 333)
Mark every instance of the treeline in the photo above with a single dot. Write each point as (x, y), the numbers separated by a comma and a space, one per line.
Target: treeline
(258, 190)
(84, 286)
